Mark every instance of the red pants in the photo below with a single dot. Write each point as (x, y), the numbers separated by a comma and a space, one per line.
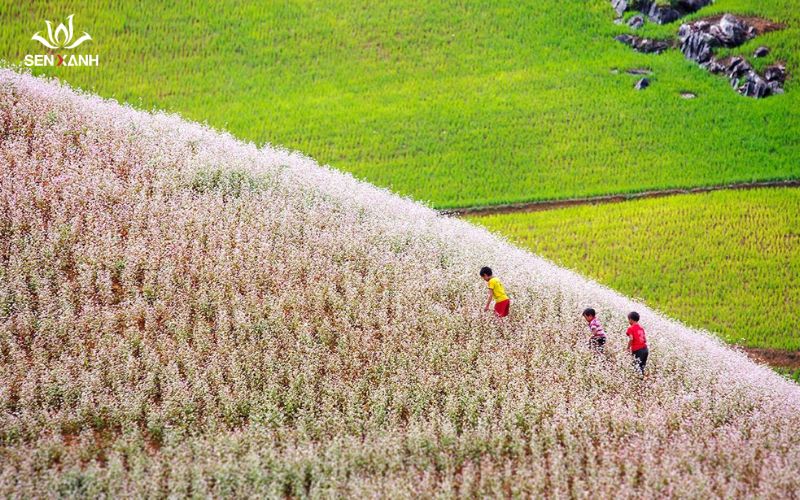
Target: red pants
(501, 308)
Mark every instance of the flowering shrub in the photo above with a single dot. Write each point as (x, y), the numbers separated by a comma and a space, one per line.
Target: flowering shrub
(185, 314)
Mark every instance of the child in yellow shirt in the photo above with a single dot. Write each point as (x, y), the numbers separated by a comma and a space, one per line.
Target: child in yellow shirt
(496, 293)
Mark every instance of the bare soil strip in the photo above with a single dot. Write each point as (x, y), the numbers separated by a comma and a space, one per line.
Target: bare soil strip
(775, 357)
(537, 206)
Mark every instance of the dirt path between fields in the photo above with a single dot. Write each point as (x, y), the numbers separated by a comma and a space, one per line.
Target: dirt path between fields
(775, 357)
(538, 206)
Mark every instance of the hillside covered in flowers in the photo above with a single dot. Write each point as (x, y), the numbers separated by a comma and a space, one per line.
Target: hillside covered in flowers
(182, 313)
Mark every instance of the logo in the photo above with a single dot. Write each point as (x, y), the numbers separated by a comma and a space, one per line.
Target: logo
(63, 37)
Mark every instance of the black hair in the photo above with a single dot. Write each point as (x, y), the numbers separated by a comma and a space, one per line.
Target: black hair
(633, 315)
(486, 271)
(589, 312)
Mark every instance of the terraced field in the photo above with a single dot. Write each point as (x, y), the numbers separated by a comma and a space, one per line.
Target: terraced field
(459, 104)
(727, 261)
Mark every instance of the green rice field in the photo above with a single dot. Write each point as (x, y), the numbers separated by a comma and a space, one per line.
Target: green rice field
(455, 103)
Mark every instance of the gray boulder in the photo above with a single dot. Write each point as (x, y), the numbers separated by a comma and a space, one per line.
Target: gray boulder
(620, 6)
(642, 84)
(754, 86)
(697, 26)
(636, 21)
(663, 14)
(730, 31)
(644, 45)
(776, 73)
(761, 52)
(714, 66)
(775, 88)
(698, 47)
(738, 67)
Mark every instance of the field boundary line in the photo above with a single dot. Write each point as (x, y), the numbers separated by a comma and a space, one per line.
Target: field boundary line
(540, 206)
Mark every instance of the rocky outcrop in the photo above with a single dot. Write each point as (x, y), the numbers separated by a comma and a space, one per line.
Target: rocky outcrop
(642, 84)
(699, 40)
(728, 31)
(746, 80)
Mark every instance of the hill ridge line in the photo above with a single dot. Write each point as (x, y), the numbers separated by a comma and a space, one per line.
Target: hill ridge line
(540, 206)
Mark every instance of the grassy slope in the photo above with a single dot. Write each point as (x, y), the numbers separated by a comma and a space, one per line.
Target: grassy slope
(725, 261)
(185, 314)
(460, 104)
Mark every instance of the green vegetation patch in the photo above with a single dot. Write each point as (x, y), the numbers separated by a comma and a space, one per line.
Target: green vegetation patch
(727, 261)
(791, 374)
(459, 104)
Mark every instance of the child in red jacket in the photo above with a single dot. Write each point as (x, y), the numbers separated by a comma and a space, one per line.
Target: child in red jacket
(638, 342)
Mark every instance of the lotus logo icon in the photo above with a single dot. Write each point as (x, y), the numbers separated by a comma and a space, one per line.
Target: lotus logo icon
(61, 37)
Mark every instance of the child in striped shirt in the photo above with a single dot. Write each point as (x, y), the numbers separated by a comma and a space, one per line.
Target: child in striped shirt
(598, 339)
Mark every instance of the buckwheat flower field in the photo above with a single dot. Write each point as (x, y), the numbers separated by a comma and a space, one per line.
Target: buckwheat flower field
(182, 313)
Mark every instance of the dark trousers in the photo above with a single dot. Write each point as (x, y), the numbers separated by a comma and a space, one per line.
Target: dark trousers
(597, 343)
(640, 358)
